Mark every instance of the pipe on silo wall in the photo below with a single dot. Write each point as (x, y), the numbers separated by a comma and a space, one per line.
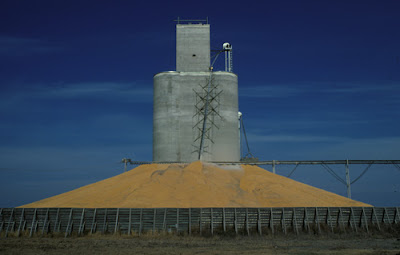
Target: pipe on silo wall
(175, 133)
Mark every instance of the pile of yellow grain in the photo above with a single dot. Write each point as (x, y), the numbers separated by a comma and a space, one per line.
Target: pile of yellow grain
(196, 185)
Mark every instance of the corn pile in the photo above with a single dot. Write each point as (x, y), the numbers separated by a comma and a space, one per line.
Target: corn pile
(193, 185)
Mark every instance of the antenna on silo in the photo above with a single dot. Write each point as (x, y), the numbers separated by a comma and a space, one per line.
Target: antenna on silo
(190, 21)
(228, 57)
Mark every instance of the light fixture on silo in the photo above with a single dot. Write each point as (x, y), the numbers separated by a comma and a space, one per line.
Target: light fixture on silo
(228, 57)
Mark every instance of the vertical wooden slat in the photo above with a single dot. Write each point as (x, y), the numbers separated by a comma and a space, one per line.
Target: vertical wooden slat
(130, 221)
(177, 220)
(259, 222)
(365, 219)
(116, 222)
(105, 222)
(154, 220)
(327, 216)
(398, 216)
(81, 223)
(36, 226)
(93, 221)
(341, 219)
(223, 219)
(9, 222)
(353, 218)
(283, 223)
(2, 220)
(13, 226)
(212, 221)
(295, 221)
(316, 219)
(387, 215)
(56, 220)
(45, 221)
(33, 223)
(235, 222)
(69, 222)
(165, 220)
(83, 226)
(141, 221)
(70, 229)
(305, 220)
(349, 223)
(247, 222)
(271, 221)
(338, 219)
(24, 225)
(21, 221)
(329, 219)
(201, 220)
(373, 214)
(190, 221)
(383, 216)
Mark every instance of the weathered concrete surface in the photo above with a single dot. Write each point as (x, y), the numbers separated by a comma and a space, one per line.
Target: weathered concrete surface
(192, 47)
(177, 117)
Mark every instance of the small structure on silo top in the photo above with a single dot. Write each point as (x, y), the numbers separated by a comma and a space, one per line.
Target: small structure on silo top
(195, 108)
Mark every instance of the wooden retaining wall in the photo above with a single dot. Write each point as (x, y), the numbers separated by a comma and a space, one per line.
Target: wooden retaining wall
(80, 221)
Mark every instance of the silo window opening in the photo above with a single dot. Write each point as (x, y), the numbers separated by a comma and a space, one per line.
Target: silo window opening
(194, 55)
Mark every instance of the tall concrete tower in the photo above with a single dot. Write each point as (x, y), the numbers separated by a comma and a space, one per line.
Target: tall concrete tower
(192, 47)
(195, 108)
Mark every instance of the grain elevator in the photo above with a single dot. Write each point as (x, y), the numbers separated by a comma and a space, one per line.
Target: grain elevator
(195, 108)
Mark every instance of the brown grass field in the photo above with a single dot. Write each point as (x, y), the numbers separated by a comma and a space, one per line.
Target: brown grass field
(173, 244)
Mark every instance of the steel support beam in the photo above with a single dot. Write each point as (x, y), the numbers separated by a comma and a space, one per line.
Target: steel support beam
(348, 182)
(285, 162)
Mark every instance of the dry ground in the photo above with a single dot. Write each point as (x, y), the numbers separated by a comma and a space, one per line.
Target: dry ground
(172, 244)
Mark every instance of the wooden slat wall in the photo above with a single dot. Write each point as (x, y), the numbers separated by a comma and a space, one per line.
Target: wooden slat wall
(244, 221)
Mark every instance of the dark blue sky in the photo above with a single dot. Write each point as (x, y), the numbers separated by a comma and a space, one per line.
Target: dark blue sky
(318, 80)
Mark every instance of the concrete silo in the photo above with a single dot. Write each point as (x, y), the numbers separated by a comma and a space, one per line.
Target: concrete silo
(195, 109)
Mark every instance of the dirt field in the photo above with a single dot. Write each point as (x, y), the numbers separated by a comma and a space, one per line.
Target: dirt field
(200, 245)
